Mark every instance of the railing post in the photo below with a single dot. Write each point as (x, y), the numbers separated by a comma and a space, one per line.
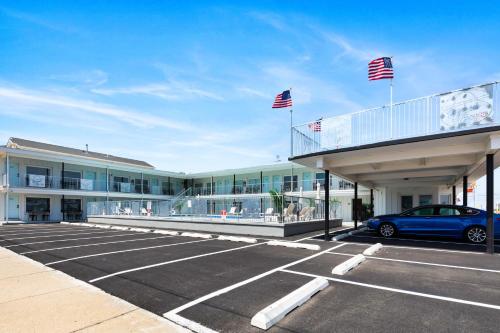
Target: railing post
(327, 205)
(7, 162)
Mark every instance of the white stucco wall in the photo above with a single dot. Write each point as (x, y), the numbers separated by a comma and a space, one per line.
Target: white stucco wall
(393, 196)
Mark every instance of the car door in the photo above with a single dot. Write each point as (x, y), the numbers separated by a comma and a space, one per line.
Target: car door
(417, 221)
(450, 221)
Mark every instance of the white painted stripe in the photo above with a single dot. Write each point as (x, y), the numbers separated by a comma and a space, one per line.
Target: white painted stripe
(247, 281)
(189, 324)
(422, 248)
(420, 240)
(102, 226)
(313, 247)
(166, 232)
(195, 234)
(170, 262)
(401, 291)
(425, 263)
(42, 232)
(94, 244)
(348, 265)
(237, 239)
(69, 239)
(123, 251)
(84, 232)
(273, 313)
(372, 249)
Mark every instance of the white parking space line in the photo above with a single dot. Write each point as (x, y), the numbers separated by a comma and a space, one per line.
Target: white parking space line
(401, 291)
(423, 263)
(123, 251)
(418, 240)
(68, 239)
(172, 262)
(419, 248)
(60, 235)
(41, 232)
(93, 244)
(244, 282)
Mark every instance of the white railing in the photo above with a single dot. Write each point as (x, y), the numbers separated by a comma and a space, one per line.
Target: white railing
(453, 111)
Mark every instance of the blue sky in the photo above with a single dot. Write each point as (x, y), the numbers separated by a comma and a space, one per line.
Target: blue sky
(188, 86)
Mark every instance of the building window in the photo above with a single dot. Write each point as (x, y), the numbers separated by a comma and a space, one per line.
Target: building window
(425, 199)
(320, 178)
(406, 202)
(71, 205)
(71, 180)
(38, 208)
(37, 177)
(290, 184)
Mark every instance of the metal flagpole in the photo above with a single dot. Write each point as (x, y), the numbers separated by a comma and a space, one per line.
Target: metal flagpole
(391, 110)
(291, 132)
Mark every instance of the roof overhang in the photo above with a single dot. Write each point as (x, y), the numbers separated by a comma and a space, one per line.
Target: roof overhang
(419, 161)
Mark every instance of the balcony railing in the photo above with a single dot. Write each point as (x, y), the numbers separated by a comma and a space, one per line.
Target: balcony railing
(453, 111)
(54, 182)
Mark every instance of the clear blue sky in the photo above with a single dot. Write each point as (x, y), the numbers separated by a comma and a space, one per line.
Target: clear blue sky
(188, 86)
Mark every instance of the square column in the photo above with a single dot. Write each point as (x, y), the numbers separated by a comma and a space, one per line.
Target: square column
(327, 205)
(490, 240)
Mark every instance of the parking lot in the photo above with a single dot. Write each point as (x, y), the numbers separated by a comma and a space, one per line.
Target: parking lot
(409, 285)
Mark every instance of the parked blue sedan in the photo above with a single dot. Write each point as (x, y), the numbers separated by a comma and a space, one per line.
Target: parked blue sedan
(437, 220)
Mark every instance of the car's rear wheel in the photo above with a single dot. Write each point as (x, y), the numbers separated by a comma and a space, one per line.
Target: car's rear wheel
(476, 234)
(387, 230)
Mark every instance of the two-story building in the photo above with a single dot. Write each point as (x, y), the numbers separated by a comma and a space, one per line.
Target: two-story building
(46, 182)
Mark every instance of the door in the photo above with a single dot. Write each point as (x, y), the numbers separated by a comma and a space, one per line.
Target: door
(14, 174)
(450, 221)
(90, 180)
(406, 202)
(13, 207)
(418, 221)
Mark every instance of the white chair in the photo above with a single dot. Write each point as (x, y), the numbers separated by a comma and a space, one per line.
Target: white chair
(232, 211)
(310, 214)
(144, 211)
(304, 212)
(288, 213)
(268, 214)
(128, 211)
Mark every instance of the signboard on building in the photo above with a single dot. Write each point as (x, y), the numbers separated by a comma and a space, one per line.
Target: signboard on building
(86, 184)
(36, 181)
(466, 108)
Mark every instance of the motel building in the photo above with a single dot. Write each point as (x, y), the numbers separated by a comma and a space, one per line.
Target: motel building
(49, 183)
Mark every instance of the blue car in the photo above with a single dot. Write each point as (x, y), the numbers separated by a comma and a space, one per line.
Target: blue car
(436, 220)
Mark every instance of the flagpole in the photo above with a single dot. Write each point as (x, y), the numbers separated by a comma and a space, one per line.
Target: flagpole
(291, 127)
(391, 109)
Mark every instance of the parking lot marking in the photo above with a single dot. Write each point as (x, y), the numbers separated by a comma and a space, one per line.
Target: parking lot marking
(68, 239)
(247, 281)
(419, 240)
(295, 245)
(421, 248)
(30, 232)
(189, 324)
(81, 233)
(424, 263)
(93, 244)
(171, 262)
(396, 290)
(122, 251)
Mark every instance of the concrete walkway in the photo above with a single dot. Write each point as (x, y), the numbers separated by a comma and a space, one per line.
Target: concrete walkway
(36, 298)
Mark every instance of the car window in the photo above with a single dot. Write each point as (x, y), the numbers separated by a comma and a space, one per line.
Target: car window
(469, 211)
(448, 211)
(426, 211)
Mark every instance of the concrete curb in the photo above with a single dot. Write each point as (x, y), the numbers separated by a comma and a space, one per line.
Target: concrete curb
(372, 249)
(270, 315)
(313, 247)
(195, 234)
(349, 264)
(166, 232)
(140, 229)
(117, 227)
(237, 239)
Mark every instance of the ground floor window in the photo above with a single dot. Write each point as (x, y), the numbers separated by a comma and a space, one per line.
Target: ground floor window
(425, 199)
(406, 202)
(38, 208)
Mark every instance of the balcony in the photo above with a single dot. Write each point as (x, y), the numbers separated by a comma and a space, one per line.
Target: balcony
(460, 110)
(55, 182)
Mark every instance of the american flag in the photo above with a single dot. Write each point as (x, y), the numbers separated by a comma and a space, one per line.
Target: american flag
(315, 126)
(380, 68)
(283, 100)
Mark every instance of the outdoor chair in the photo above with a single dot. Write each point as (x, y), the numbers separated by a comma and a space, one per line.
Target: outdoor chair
(268, 214)
(144, 211)
(128, 211)
(304, 212)
(310, 214)
(288, 213)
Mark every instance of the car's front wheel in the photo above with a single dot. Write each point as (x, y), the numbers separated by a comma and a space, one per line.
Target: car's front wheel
(387, 230)
(476, 234)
